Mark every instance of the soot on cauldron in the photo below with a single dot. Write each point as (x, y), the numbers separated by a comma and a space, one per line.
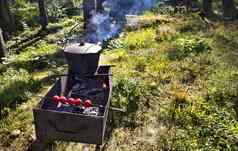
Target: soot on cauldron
(82, 58)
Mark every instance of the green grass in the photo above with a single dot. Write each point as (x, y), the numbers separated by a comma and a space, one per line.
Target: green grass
(184, 89)
(22, 80)
(17, 86)
(177, 82)
(140, 39)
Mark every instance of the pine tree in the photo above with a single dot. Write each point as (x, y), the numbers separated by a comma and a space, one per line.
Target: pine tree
(7, 22)
(2, 47)
(43, 14)
(229, 11)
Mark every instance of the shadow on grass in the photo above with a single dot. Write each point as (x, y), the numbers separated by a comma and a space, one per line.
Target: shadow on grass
(32, 39)
(17, 92)
(230, 49)
(20, 90)
(38, 63)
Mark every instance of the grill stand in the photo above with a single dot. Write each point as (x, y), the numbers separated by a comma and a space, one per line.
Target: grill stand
(41, 145)
(53, 125)
(42, 118)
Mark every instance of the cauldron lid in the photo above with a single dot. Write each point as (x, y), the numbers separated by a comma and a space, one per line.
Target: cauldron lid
(86, 48)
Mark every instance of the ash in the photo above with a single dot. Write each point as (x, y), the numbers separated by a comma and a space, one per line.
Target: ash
(89, 88)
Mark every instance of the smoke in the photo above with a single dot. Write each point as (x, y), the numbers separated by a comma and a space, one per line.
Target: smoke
(109, 22)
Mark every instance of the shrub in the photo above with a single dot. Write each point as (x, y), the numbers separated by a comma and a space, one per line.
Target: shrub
(183, 47)
(125, 94)
(222, 85)
(193, 24)
(115, 44)
(26, 14)
(140, 39)
(164, 33)
(162, 8)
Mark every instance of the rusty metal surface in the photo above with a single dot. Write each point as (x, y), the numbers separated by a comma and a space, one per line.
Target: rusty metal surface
(53, 125)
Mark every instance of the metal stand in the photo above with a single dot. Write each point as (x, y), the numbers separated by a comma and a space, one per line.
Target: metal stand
(40, 145)
(98, 148)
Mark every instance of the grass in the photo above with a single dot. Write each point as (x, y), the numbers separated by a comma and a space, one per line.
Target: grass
(17, 86)
(177, 82)
(139, 39)
(23, 80)
(185, 94)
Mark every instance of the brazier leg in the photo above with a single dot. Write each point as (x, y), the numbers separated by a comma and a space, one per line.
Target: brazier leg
(98, 148)
(39, 145)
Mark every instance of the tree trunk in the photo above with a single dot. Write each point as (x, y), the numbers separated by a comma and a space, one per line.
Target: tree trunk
(90, 6)
(43, 14)
(174, 4)
(3, 51)
(7, 22)
(229, 11)
(207, 7)
(188, 4)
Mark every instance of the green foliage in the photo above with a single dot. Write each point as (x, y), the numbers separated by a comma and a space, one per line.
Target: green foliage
(77, 3)
(140, 39)
(222, 86)
(16, 86)
(25, 13)
(200, 125)
(225, 35)
(165, 33)
(59, 9)
(115, 44)
(177, 94)
(55, 9)
(183, 47)
(33, 58)
(161, 8)
(186, 91)
(192, 24)
(125, 94)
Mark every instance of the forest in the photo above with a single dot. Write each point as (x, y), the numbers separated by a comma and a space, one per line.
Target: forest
(174, 72)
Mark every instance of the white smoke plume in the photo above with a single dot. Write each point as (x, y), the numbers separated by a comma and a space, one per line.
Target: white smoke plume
(108, 23)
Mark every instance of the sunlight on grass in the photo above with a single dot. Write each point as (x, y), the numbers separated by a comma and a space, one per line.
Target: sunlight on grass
(177, 82)
(140, 39)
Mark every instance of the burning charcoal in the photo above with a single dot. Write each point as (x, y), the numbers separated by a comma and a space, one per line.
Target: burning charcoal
(70, 108)
(94, 91)
(78, 110)
(91, 111)
(65, 108)
(89, 88)
(72, 117)
(101, 110)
